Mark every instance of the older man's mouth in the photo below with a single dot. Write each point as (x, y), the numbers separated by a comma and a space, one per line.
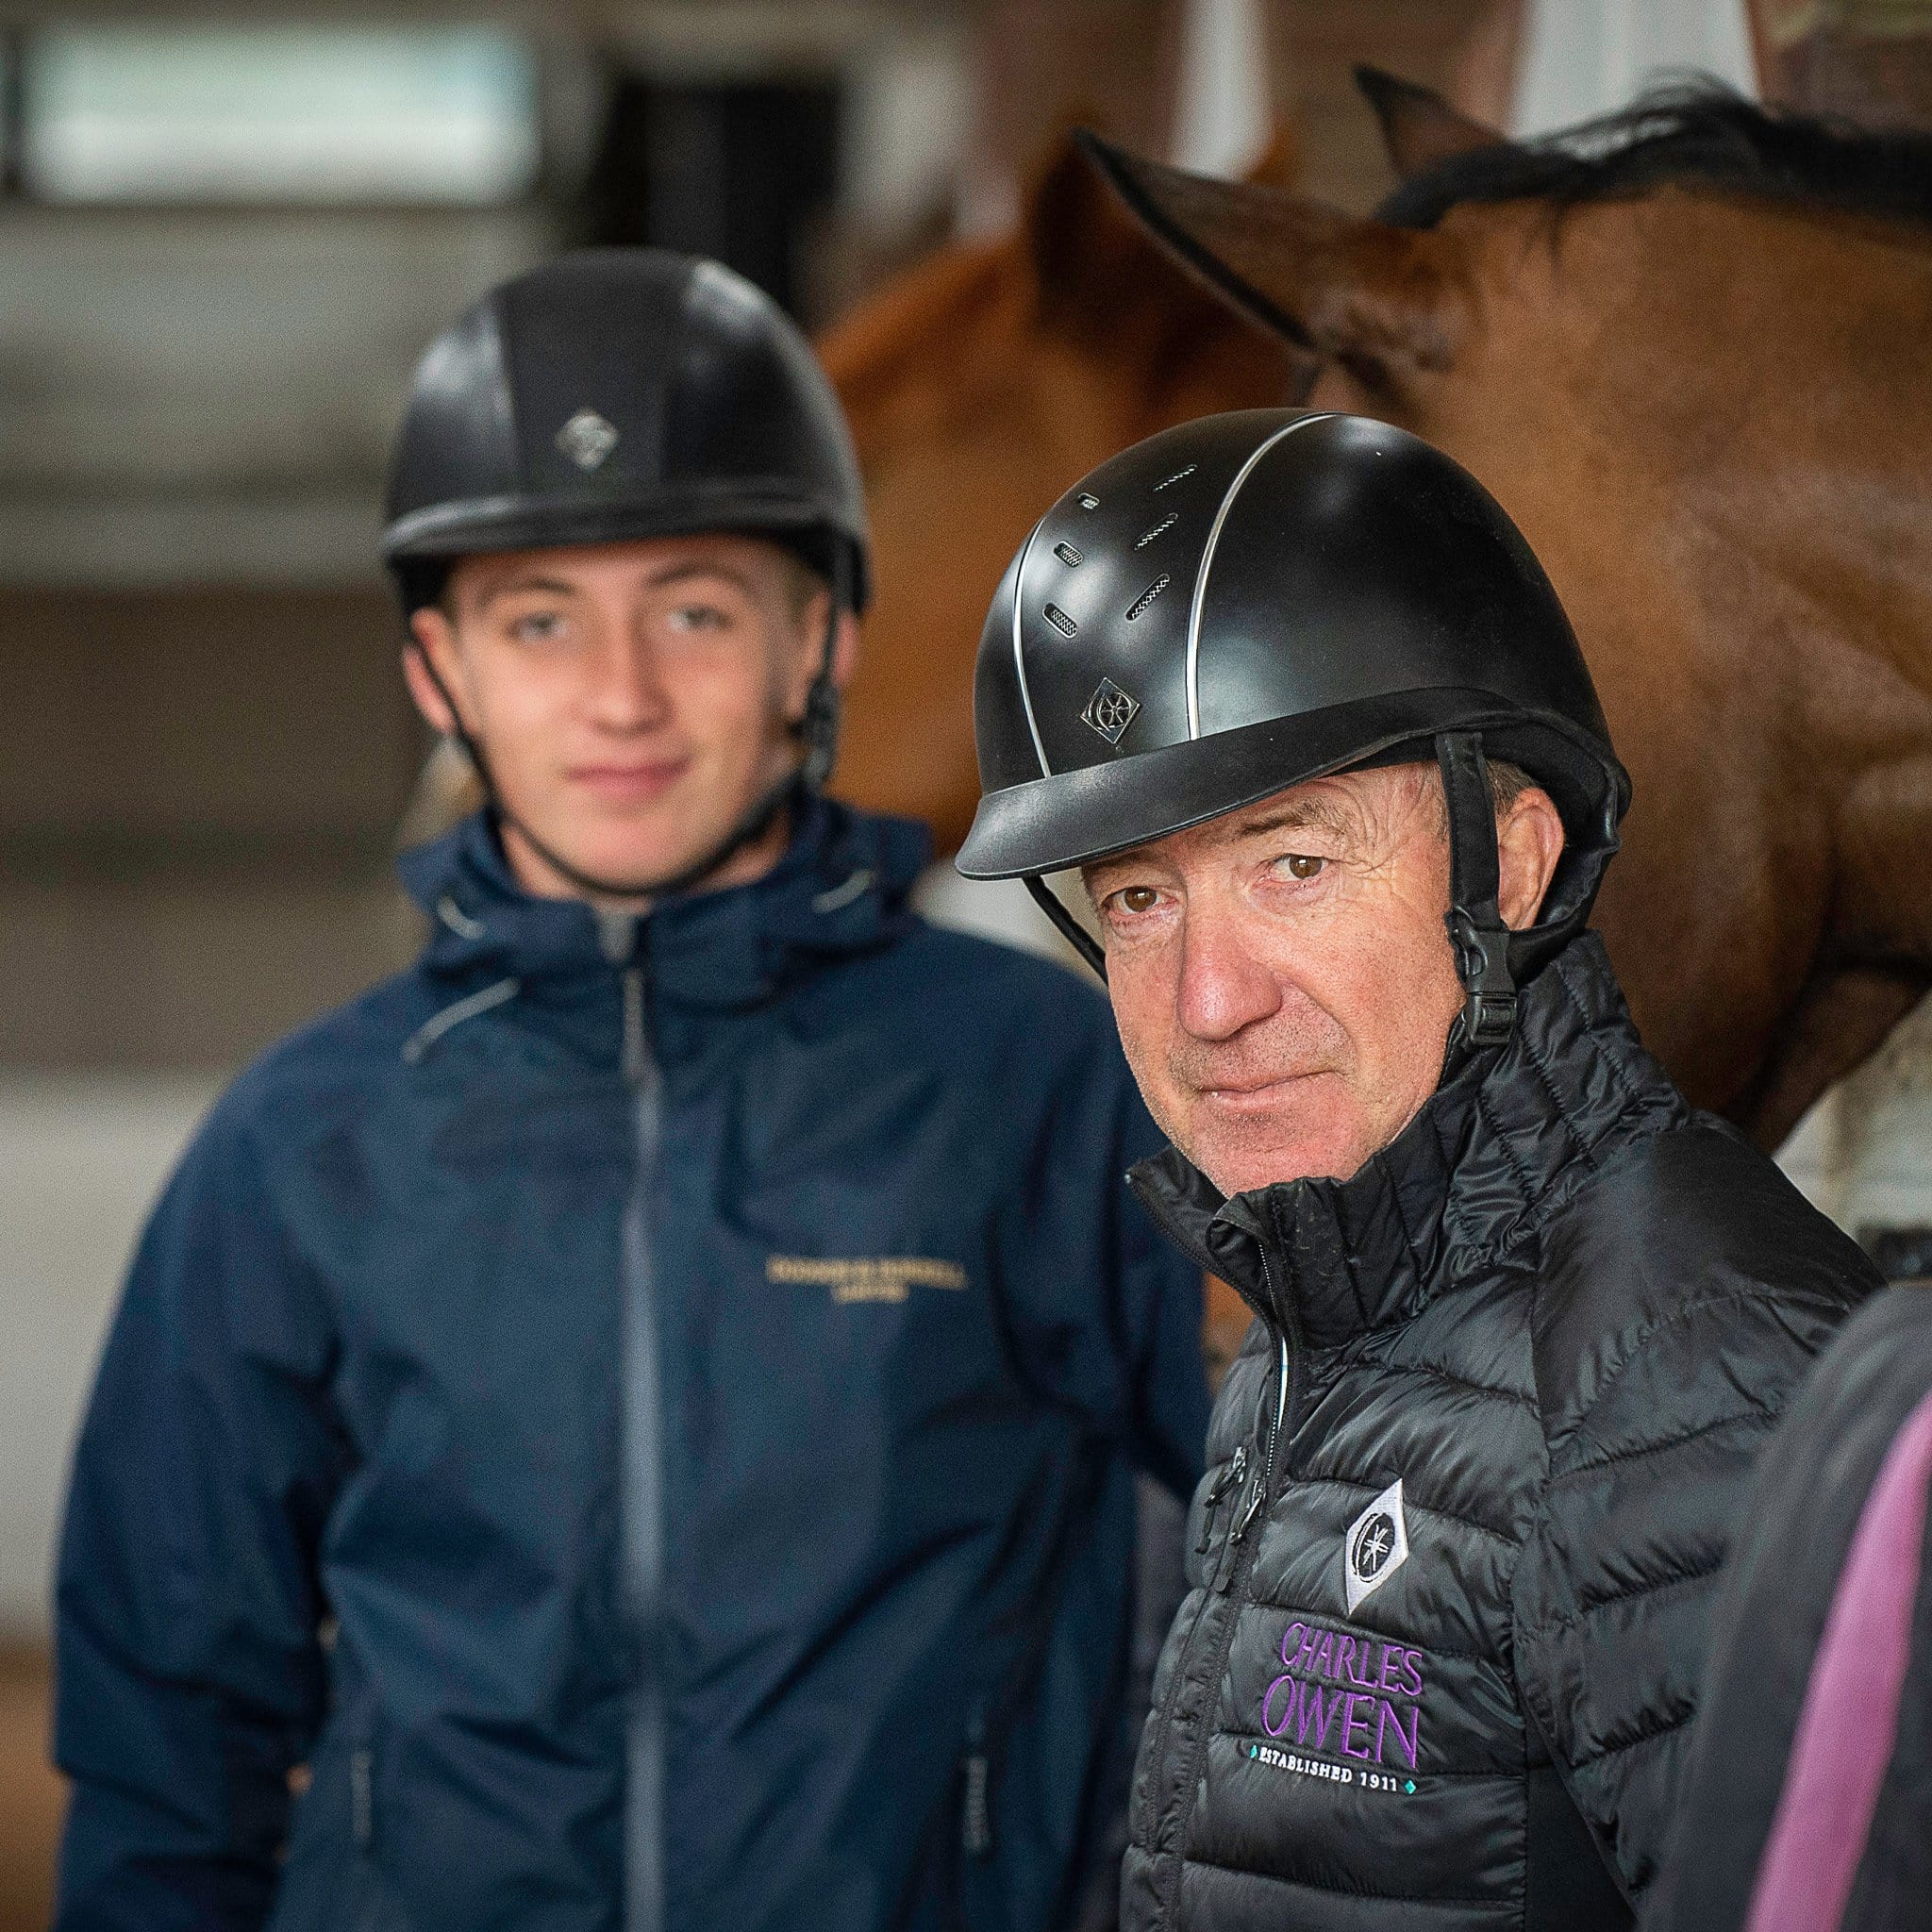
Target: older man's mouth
(1239, 1096)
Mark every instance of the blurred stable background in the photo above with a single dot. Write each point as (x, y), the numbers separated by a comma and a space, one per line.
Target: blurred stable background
(224, 237)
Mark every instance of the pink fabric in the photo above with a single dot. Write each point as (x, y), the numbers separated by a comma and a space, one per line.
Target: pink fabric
(1850, 1719)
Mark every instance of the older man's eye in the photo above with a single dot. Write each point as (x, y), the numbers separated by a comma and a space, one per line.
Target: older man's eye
(1136, 899)
(1300, 865)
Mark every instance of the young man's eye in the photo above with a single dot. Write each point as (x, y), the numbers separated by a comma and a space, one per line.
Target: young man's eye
(537, 627)
(700, 617)
(1299, 865)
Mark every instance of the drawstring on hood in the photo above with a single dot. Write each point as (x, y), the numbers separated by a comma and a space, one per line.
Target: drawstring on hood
(841, 896)
(458, 920)
(432, 1029)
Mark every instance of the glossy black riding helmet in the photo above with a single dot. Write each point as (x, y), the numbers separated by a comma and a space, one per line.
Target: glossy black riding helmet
(618, 393)
(1252, 600)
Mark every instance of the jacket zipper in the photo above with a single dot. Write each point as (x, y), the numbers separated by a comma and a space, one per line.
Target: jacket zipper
(1288, 1366)
(1163, 1720)
(1287, 1404)
(362, 1797)
(975, 1813)
(642, 1515)
(1259, 1471)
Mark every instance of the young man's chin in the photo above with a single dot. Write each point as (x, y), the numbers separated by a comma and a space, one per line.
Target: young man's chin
(633, 830)
(637, 858)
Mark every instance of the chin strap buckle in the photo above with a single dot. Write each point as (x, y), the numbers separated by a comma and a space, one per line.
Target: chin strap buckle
(1477, 931)
(1482, 963)
(819, 732)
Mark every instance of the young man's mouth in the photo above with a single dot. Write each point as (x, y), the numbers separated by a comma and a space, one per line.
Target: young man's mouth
(629, 781)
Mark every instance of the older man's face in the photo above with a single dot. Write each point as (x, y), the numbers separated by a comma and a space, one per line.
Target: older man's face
(1282, 978)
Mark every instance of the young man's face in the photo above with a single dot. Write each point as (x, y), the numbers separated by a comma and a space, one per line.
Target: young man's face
(1281, 977)
(633, 699)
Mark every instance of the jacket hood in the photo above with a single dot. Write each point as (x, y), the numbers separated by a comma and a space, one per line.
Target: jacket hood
(1483, 1162)
(841, 887)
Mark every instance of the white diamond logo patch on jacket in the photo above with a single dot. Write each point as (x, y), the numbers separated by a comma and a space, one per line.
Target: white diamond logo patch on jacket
(1376, 1546)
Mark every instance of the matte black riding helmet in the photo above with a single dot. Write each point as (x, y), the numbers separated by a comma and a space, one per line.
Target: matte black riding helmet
(617, 393)
(1252, 600)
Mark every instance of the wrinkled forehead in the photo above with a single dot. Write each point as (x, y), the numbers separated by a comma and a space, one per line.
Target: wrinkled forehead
(1351, 810)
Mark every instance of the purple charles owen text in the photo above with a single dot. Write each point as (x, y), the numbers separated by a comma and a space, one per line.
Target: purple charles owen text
(1355, 1695)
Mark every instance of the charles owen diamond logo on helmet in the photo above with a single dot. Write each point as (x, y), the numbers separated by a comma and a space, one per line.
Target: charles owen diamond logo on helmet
(1377, 1547)
(587, 439)
(1111, 710)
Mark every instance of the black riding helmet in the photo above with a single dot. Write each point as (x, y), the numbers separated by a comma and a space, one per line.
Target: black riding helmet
(1252, 600)
(618, 393)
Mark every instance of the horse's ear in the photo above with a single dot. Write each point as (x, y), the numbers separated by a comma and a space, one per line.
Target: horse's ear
(1083, 247)
(1381, 301)
(1420, 128)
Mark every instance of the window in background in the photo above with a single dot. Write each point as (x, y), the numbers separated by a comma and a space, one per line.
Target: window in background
(742, 170)
(276, 114)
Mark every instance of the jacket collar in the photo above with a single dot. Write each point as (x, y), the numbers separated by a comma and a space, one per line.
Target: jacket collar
(1487, 1157)
(839, 888)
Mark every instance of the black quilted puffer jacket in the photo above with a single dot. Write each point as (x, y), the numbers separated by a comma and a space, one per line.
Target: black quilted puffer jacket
(1471, 1482)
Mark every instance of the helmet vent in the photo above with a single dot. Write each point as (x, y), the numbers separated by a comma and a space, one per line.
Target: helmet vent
(1067, 553)
(1060, 621)
(1147, 596)
(1166, 522)
(1178, 476)
(1087, 500)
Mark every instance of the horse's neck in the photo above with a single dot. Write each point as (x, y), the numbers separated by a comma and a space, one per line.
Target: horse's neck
(1793, 416)
(1828, 492)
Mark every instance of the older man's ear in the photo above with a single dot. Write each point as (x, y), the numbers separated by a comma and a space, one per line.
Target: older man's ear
(1529, 840)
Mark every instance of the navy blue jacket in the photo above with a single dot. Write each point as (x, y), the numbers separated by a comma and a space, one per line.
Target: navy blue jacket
(645, 1412)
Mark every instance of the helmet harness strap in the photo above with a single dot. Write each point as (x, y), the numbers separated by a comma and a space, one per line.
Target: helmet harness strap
(1071, 929)
(1477, 931)
(817, 730)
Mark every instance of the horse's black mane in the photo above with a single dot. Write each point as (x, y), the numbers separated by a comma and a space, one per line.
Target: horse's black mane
(1692, 131)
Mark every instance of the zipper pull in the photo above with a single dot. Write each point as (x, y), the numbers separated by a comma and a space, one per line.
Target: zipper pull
(1232, 1471)
(1250, 1501)
(1248, 1515)
(1225, 1562)
(634, 1056)
(1255, 1500)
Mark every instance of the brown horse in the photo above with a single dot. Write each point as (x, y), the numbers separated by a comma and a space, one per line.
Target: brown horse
(1685, 350)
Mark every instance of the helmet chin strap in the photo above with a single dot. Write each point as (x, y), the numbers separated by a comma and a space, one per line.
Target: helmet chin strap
(1071, 929)
(817, 730)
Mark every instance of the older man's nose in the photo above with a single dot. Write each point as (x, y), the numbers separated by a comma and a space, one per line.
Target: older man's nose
(1223, 984)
